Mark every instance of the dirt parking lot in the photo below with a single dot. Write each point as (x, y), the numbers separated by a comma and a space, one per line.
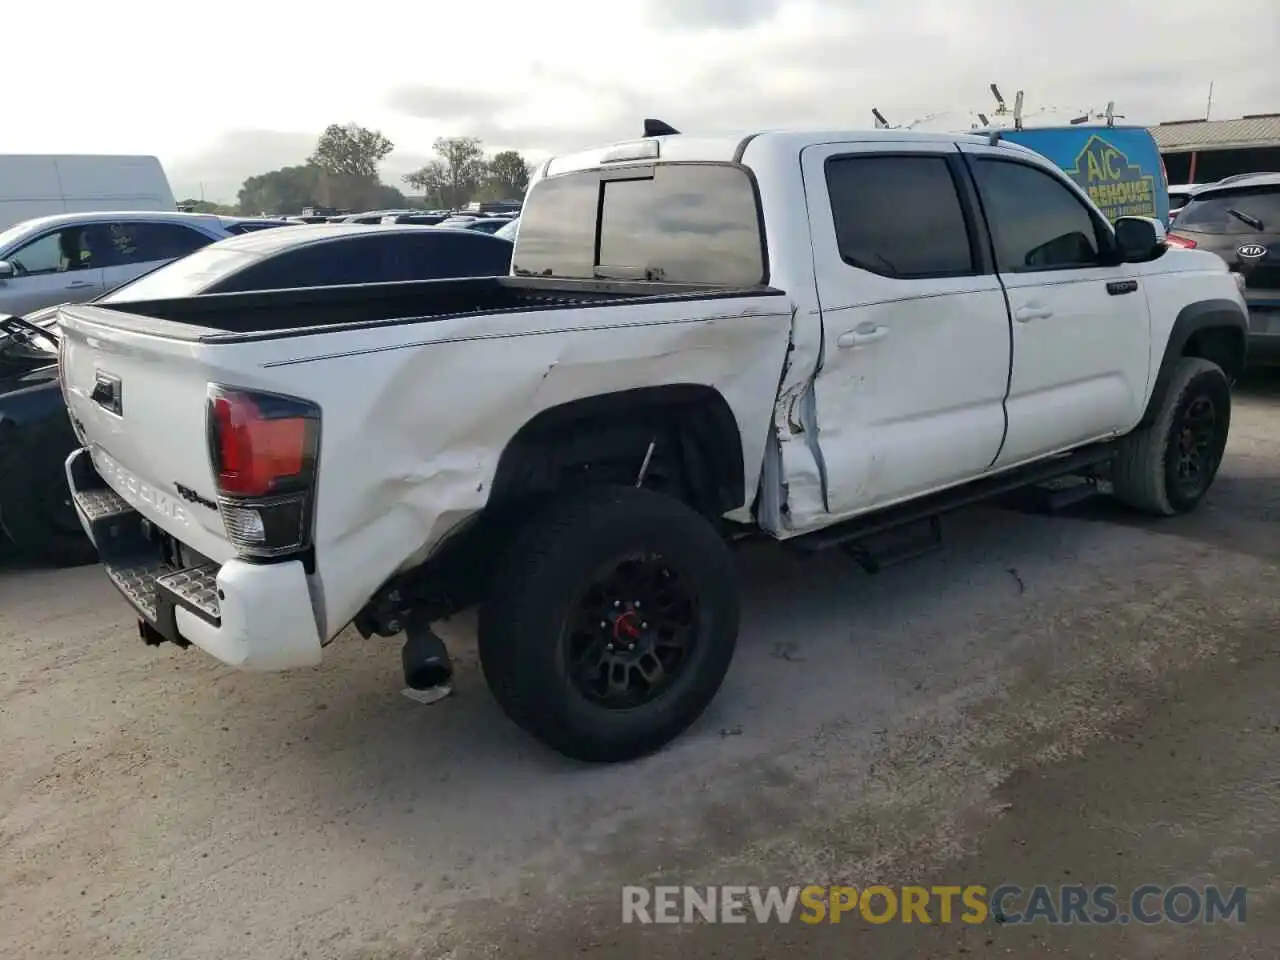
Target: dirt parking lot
(1088, 698)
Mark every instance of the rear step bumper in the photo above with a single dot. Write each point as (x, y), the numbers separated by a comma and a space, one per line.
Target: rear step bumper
(254, 616)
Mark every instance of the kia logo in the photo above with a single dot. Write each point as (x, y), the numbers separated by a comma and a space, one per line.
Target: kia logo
(1251, 251)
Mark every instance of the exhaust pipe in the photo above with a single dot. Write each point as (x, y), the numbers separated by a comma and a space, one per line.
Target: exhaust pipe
(426, 662)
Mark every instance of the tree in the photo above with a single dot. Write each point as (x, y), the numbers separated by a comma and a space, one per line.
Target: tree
(351, 151)
(432, 181)
(509, 174)
(389, 198)
(453, 178)
(345, 192)
(285, 191)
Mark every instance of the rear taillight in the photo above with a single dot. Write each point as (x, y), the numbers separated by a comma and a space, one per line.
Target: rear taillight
(1175, 240)
(264, 449)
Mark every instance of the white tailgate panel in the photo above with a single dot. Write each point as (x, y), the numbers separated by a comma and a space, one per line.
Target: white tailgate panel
(158, 441)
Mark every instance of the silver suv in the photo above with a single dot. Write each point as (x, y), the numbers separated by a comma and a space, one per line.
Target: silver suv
(74, 257)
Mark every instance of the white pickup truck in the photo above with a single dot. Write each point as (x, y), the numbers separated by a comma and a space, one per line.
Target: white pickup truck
(827, 338)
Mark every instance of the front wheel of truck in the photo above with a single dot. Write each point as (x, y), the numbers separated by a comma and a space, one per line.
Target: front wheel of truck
(610, 623)
(1167, 468)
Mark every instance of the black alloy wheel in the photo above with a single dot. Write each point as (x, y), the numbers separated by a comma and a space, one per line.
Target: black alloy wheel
(632, 630)
(1197, 451)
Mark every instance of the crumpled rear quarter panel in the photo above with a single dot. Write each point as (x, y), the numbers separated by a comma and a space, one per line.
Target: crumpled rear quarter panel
(415, 417)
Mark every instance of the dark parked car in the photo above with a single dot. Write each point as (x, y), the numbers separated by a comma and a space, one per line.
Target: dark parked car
(1239, 219)
(35, 433)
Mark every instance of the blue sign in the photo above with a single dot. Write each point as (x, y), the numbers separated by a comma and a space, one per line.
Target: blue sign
(1119, 167)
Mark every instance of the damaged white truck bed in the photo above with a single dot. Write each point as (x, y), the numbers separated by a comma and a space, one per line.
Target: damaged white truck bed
(827, 338)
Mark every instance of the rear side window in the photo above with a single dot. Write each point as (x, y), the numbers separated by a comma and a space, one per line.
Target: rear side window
(432, 255)
(899, 216)
(677, 222)
(353, 260)
(166, 241)
(377, 259)
(129, 242)
(1212, 213)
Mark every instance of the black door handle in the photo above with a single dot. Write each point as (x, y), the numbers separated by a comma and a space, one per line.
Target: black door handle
(1119, 287)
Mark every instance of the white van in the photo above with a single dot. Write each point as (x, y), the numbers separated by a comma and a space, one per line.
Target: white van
(39, 185)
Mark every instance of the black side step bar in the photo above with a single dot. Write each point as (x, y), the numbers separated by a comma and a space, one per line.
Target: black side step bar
(926, 508)
(874, 553)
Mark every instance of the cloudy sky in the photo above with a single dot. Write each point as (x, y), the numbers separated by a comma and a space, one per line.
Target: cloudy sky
(220, 91)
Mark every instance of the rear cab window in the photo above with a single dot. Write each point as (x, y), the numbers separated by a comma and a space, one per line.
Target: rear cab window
(696, 223)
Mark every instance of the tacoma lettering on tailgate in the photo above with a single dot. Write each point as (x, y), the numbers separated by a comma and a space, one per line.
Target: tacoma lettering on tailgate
(137, 492)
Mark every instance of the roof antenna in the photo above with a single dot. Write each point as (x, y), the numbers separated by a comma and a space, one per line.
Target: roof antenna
(982, 117)
(657, 128)
(1001, 109)
(993, 135)
(881, 122)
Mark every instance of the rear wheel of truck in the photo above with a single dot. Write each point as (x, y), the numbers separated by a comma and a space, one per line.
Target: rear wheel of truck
(610, 623)
(1168, 467)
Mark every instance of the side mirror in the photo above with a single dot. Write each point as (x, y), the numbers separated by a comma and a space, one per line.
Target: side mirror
(7, 270)
(1140, 239)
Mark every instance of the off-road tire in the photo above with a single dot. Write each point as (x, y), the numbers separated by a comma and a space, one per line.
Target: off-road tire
(1143, 474)
(522, 626)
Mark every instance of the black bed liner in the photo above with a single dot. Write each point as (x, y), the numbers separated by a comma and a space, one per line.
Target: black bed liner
(273, 314)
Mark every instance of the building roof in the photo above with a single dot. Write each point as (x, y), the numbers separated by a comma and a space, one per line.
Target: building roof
(1185, 136)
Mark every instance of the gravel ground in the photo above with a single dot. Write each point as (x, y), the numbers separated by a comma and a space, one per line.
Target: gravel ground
(1087, 698)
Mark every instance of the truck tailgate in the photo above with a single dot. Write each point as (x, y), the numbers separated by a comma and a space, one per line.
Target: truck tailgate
(138, 400)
